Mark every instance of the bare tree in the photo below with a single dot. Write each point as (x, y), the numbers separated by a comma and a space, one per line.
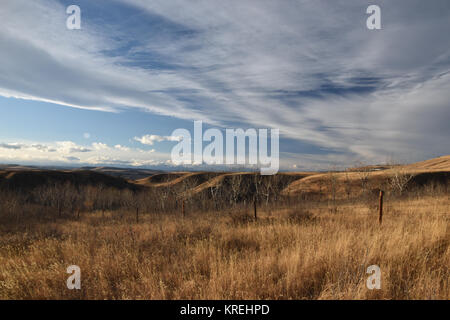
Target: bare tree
(257, 183)
(347, 185)
(399, 180)
(104, 199)
(73, 199)
(266, 189)
(235, 182)
(215, 191)
(332, 182)
(363, 172)
(165, 193)
(276, 186)
(134, 201)
(10, 205)
(57, 194)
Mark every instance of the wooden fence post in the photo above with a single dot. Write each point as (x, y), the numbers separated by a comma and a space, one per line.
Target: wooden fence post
(182, 208)
(380, 217)
(254, 209)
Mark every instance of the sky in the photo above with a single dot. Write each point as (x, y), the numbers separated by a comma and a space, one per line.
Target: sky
(113, 92)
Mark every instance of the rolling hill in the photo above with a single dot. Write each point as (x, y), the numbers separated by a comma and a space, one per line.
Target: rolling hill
(372, 178)
(352, 181)
(29, 179)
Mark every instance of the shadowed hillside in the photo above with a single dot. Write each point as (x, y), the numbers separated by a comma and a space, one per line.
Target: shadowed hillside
(27, 180)
(245, 185)
(240, 186)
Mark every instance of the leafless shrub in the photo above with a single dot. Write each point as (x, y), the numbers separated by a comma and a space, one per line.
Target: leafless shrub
(347, 185)
(267, 189)
(165, 194)
(235, 184)
(399, 180)
(332, 182)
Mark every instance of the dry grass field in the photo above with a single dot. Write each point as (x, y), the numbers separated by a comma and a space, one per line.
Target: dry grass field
(299, 247)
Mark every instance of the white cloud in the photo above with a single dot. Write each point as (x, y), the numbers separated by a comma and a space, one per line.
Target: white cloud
(150, 139)
(70, 147)
(100, 146)
(120, 147)
(68, 152)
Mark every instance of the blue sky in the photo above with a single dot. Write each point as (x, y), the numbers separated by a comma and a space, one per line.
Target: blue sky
(338, 92)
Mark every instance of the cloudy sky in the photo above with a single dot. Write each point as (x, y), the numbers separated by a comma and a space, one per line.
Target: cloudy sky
(113, 92)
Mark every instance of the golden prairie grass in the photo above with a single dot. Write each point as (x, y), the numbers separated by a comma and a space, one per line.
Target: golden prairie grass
(289, 253)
